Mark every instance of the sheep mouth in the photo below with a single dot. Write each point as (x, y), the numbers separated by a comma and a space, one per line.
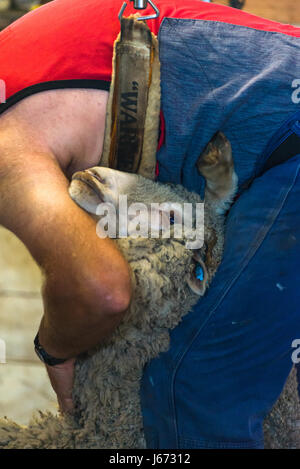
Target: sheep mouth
(198, 278)
(92, 180)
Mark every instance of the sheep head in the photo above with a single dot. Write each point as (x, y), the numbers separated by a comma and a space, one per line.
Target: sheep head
(198, 245)
(181, 253)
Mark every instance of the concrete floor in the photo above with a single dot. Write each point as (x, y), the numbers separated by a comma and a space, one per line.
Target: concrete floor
(24, 386)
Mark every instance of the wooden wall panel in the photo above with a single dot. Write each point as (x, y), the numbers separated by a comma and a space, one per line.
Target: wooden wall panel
(284, 11)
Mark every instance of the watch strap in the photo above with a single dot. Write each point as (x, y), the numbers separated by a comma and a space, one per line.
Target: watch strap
(44, 356)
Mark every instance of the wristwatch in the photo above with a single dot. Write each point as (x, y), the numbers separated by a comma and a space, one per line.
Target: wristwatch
(44, 356)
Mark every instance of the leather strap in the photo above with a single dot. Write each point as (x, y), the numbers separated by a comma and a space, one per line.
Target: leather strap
(289, 148)
(132, 120)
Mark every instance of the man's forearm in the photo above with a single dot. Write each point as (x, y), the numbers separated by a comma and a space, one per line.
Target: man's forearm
(87, 281)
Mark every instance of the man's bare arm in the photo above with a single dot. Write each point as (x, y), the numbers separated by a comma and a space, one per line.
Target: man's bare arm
(87, 281)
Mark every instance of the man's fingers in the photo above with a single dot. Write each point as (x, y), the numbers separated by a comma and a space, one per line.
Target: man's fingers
(62, 378)
(66, 406)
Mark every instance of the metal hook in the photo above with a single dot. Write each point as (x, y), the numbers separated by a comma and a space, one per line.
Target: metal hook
(141, 6)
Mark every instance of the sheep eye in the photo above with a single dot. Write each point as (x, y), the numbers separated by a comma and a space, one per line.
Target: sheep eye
(172, 220)
(199, 272)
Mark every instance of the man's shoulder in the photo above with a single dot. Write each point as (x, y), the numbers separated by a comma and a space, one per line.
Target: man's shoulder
(70, 123)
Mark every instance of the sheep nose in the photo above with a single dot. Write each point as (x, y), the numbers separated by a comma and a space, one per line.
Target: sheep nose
(95, 174)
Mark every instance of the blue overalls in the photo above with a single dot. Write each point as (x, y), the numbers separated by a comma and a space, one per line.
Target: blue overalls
(231, 355)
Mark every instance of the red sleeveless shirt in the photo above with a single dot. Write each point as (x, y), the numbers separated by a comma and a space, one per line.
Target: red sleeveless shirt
(68, 43)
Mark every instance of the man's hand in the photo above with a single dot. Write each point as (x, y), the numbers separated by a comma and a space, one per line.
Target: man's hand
(62, 378)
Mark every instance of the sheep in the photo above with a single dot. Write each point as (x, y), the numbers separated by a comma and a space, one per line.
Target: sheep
(282, 426)
(107, 379)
